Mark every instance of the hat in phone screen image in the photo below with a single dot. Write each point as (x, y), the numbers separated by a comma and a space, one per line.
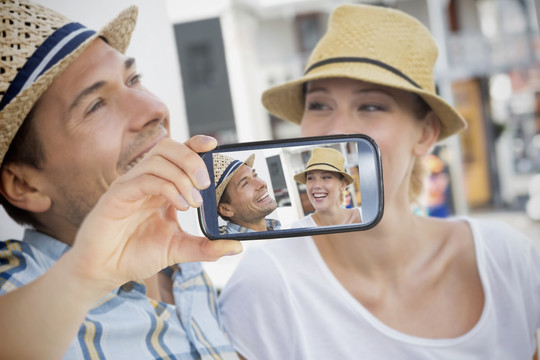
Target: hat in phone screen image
(224, 169)
(325, 159)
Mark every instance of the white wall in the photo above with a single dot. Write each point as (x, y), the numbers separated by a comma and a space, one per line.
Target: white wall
(154, 47)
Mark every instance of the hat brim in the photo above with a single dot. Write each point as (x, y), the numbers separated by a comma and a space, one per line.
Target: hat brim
(286, 101)
(117, 33)
(301, 176)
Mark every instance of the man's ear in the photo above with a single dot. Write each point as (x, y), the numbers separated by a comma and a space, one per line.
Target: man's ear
(17, 186)
(431, 128)
(225, 209)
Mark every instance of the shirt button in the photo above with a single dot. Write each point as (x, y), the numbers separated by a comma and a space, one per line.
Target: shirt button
(127, 287)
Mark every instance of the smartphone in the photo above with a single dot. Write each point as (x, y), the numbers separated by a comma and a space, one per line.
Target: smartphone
(292, 187)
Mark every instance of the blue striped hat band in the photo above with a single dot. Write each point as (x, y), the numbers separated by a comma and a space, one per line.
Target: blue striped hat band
(228, 171)
(60, 44)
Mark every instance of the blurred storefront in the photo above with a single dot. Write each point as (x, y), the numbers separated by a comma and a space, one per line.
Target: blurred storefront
(488, 68)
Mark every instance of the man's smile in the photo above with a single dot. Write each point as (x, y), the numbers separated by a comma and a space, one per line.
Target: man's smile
(263, 197)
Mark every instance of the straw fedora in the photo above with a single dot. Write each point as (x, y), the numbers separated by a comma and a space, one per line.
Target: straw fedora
(326, 159)
(37, 44)
(373, 44)
(224, 169)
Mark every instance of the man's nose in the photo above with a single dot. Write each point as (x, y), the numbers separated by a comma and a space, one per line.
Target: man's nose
(259, 183)
(145, 109)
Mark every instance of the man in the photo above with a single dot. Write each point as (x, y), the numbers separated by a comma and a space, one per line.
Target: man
(86, 162)
(242, 197)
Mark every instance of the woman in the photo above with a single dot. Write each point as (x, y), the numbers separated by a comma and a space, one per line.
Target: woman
(326, 179)
(411, 287)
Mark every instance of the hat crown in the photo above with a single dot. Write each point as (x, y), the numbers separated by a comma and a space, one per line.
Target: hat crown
(383, 35)
(37, 44)
(24, 26)
(326, 156)
(221, 163)
(224, 169)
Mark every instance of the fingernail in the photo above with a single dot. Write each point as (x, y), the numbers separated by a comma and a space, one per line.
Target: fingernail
(202, 177)
(196, 196)
(206, 139)
(183, 201)
(235, 252)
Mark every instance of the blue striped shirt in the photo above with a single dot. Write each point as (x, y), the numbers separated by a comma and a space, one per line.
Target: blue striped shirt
(125, 324)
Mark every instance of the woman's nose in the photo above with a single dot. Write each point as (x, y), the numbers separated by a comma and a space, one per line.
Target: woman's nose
(342, 123)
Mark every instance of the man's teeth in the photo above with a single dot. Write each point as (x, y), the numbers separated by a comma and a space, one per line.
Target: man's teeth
(135, 162)
(264, 196)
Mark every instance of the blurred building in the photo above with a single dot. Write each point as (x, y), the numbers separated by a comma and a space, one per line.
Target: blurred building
(488, 68)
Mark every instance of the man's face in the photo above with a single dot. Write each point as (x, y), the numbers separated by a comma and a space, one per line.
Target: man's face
(95, 122)
(248, 197)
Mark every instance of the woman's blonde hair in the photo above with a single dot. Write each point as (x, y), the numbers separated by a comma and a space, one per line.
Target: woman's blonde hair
(420, 170)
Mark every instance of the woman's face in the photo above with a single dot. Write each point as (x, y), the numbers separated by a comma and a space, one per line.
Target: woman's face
(324, 189)
(346, 106)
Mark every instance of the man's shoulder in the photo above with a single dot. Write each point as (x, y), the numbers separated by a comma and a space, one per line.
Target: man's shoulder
(18, 265)
(273, 224)
(14, 248)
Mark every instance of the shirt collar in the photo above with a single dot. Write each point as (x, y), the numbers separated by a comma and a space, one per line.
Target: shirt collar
(48, 245)
(271, 224)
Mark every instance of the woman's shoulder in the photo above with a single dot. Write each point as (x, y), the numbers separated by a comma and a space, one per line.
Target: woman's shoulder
(487, 239)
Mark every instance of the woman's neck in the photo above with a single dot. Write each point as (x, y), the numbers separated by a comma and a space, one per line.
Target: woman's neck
(330, 217)
(384, 250)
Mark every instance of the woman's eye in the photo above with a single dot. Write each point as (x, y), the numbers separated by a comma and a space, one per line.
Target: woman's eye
(315, 105)
(96, 105)
(371, 107)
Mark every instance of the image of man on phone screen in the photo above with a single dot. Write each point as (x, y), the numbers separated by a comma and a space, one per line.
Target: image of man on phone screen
(242, 197)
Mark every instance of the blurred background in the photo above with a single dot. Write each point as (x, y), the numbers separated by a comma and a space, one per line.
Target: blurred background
(210, 60)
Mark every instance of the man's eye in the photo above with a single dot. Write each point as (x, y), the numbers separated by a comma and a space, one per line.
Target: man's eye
(96, 105)
(135, 79)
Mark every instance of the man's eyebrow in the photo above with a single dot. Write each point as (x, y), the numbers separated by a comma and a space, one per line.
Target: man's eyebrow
(97, 85)
(129, 63)
(240, 181)
(85, 92)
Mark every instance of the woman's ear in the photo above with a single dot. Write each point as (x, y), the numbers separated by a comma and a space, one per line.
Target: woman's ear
(431, 128)
(17, 186)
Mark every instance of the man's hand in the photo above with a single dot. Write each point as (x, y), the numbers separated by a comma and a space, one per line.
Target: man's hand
(133, 232)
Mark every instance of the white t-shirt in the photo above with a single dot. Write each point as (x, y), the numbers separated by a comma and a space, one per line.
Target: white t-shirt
(283, 302)
(307, 221)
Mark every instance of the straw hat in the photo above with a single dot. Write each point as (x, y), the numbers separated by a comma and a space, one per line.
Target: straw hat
(326, 159)
(224, 169)
(37, 44)
(373, 44)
